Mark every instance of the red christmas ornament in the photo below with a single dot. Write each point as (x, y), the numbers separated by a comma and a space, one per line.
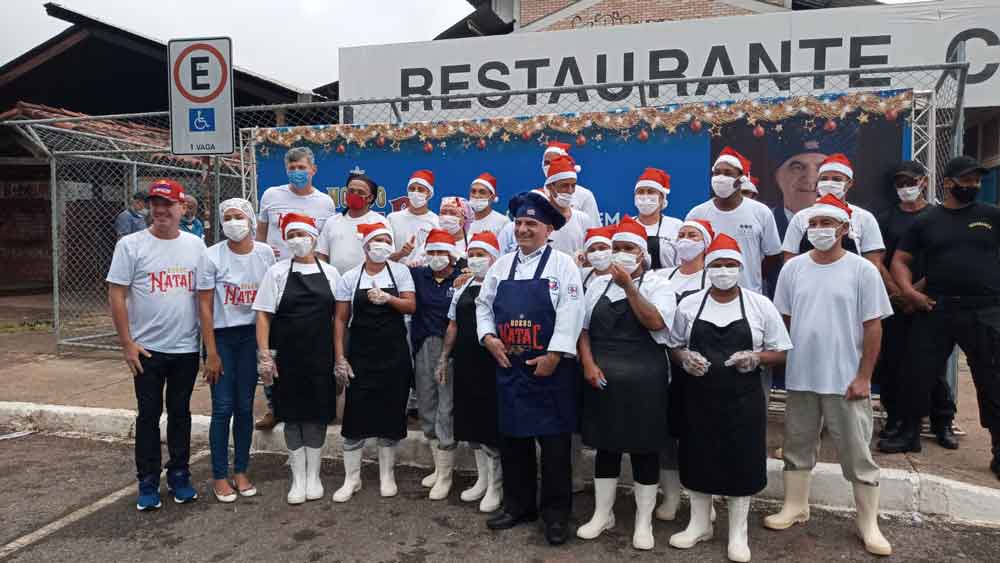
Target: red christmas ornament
(830, 126)
(695, 125)
(758, 131)
(891, 115)
(380, 141)
(428, 147)
(526, 136)
(481, 144)
(643, 135)
(581, 140)
(341, 149)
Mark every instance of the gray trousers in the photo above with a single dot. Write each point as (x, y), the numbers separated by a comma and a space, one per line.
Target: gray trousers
(351, 445)
(435, 402)
(309, 434)
(849, 423)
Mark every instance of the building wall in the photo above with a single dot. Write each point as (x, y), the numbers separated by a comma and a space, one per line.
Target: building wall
(25, 235)
(625, 12)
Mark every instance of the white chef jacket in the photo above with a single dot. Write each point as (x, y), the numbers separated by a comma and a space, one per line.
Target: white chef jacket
(864, 230)
(653, 288)
(565, 290)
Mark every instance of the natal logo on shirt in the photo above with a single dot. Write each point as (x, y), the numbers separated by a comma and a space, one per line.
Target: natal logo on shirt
(240, 295)
(171, 278)
(520, 336)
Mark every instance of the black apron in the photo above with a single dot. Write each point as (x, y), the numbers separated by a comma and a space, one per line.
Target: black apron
(675, 409)
(302, 333)
(630, 414)
(475, 382)
(653, 245)
(375, 402)
(723, 446)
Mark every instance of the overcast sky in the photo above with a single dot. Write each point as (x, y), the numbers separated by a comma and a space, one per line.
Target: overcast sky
(292, 41)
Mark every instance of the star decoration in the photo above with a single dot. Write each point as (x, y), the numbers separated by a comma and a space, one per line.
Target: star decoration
(809, 125)
(625, 134)
(751, 121)
(715, 130)
(395, 146)
(671, 129)
(362, 144)
(422, 138)
(598, 136)
(443, 144)
(779, 128)
(466, 143)
(505, 137)
(863, 118)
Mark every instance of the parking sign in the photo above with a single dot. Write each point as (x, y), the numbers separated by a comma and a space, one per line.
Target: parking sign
(201, 96)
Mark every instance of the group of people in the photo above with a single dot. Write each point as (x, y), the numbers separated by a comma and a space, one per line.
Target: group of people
(528, 333)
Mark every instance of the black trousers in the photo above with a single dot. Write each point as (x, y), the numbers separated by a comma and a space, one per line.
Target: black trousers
(645, 466)
(893, 377)
(976, 330)
(520, 481)
(176, 372)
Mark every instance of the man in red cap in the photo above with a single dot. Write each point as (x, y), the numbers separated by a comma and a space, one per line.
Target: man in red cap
(154, 307)
(834, 302)
(482, 195)
(583, 199)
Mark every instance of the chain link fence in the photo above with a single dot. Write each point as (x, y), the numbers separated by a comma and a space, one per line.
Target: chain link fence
(97, 163)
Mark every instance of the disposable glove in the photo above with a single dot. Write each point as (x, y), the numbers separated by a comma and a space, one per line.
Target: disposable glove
(377, 296)
(343, 372)
(694, 363)
(744, 361)
(265, 367)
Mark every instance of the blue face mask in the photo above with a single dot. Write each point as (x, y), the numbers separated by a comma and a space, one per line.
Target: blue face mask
(298, 178)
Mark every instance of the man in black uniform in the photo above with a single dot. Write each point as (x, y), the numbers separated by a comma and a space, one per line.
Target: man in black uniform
(910, 184)
(960, 241)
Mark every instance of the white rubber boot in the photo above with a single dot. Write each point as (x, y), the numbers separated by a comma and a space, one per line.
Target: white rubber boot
(739, 542)
(387, 471)
(297, 489)
(314, 461)
(494, 486)
(699, 528)
(478, 489)
(670, 482)
(576, 453)
(445, 473)
(866, 499)
(352, 476)
(645, 502)
(796, 507)
(604, 515)
(428, 481)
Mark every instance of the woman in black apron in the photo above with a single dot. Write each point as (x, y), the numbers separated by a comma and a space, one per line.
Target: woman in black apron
(374, 362)
(597, 249)
(475, 384)
(651, 192)
(300, 332)
(624, 409)
(724, 425)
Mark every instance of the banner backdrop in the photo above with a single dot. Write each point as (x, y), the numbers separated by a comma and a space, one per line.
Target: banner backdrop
(786, 138)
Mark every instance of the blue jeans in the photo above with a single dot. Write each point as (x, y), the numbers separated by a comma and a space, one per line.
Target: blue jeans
(232, 398)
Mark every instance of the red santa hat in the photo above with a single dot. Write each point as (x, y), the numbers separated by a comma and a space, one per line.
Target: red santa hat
(837, 162)
(630, 230)
(487, 241)
(369, 231)
(423, 178)
(654, 178)
(704, 227)
(596, 235)
(557, 148)
(831, 206)
(439, 239)
(299, 222)
(487, 181)
(733, 158)
(561, 168)
(723, 246)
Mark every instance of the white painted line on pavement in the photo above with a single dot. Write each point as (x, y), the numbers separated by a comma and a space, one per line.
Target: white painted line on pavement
(79, 514)
(20, 434)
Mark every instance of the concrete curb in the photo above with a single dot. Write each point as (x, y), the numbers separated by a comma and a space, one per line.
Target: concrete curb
(901, 491)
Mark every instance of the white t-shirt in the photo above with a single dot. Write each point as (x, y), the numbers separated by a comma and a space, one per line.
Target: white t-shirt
(162, 300)
(653, 288)
(766, 325)
(828, 304)
(678, 282)
(668, 229)
(278, 200)
(235, 279)
(864, 230)
(341, 242)
(569, 239)
(406, 225)
(272, 287)
(589, 277)
(349, 281)
(494, 223)
(584, 200)
(752, 225)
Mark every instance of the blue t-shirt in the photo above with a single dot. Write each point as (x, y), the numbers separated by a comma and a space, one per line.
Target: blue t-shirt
(129, 222)
(433, 300)
(195, 227)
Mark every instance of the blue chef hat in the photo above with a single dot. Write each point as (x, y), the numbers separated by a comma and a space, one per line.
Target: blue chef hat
(536, 206)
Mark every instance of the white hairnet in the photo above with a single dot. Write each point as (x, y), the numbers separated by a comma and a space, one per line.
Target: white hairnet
(242, 205)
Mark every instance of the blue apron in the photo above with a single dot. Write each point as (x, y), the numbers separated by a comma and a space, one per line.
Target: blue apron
(528, 405)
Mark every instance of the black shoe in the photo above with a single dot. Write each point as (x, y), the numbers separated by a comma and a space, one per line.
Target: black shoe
(556, 533)
(891, 428)
(995, 466)
(946, 436)
(505, 521)
(908, 440)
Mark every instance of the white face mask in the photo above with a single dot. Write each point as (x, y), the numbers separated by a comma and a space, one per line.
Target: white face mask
(450, 223)
(723, 186)
(236, 229)
(626, 261)
(564, 200)
(647, 204)
(300, 246)
(479, 205)
(688, 249)
(379, 251)
(836, 189)
(822, 238)
(438, 263)
(600, 259)
(479, 265)
(911, 193)
(417, 199)
(723, 278)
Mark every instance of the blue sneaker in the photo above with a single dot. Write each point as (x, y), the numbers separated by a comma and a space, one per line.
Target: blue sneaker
(149, 494)
(179, 485)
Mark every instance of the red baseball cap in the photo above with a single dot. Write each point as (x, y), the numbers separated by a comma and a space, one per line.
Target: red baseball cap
(167, 189)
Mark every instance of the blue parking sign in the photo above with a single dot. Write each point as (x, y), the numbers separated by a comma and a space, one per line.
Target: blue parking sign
(201, 120)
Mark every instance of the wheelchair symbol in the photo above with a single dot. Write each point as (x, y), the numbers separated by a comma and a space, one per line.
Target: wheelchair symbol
(200, 123)
(201, 120)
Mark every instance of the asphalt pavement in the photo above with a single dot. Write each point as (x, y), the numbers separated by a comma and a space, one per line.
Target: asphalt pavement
(47, 480)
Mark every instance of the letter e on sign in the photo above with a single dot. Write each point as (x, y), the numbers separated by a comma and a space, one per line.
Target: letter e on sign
(200, 73)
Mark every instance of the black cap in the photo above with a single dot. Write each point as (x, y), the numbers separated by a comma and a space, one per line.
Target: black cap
(963, 165)
(910, 168)
(536, 206)
(360, 175)
(139, 195)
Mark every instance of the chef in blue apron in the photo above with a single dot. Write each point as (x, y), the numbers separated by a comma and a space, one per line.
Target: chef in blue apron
(721, 337)
(529, 317)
